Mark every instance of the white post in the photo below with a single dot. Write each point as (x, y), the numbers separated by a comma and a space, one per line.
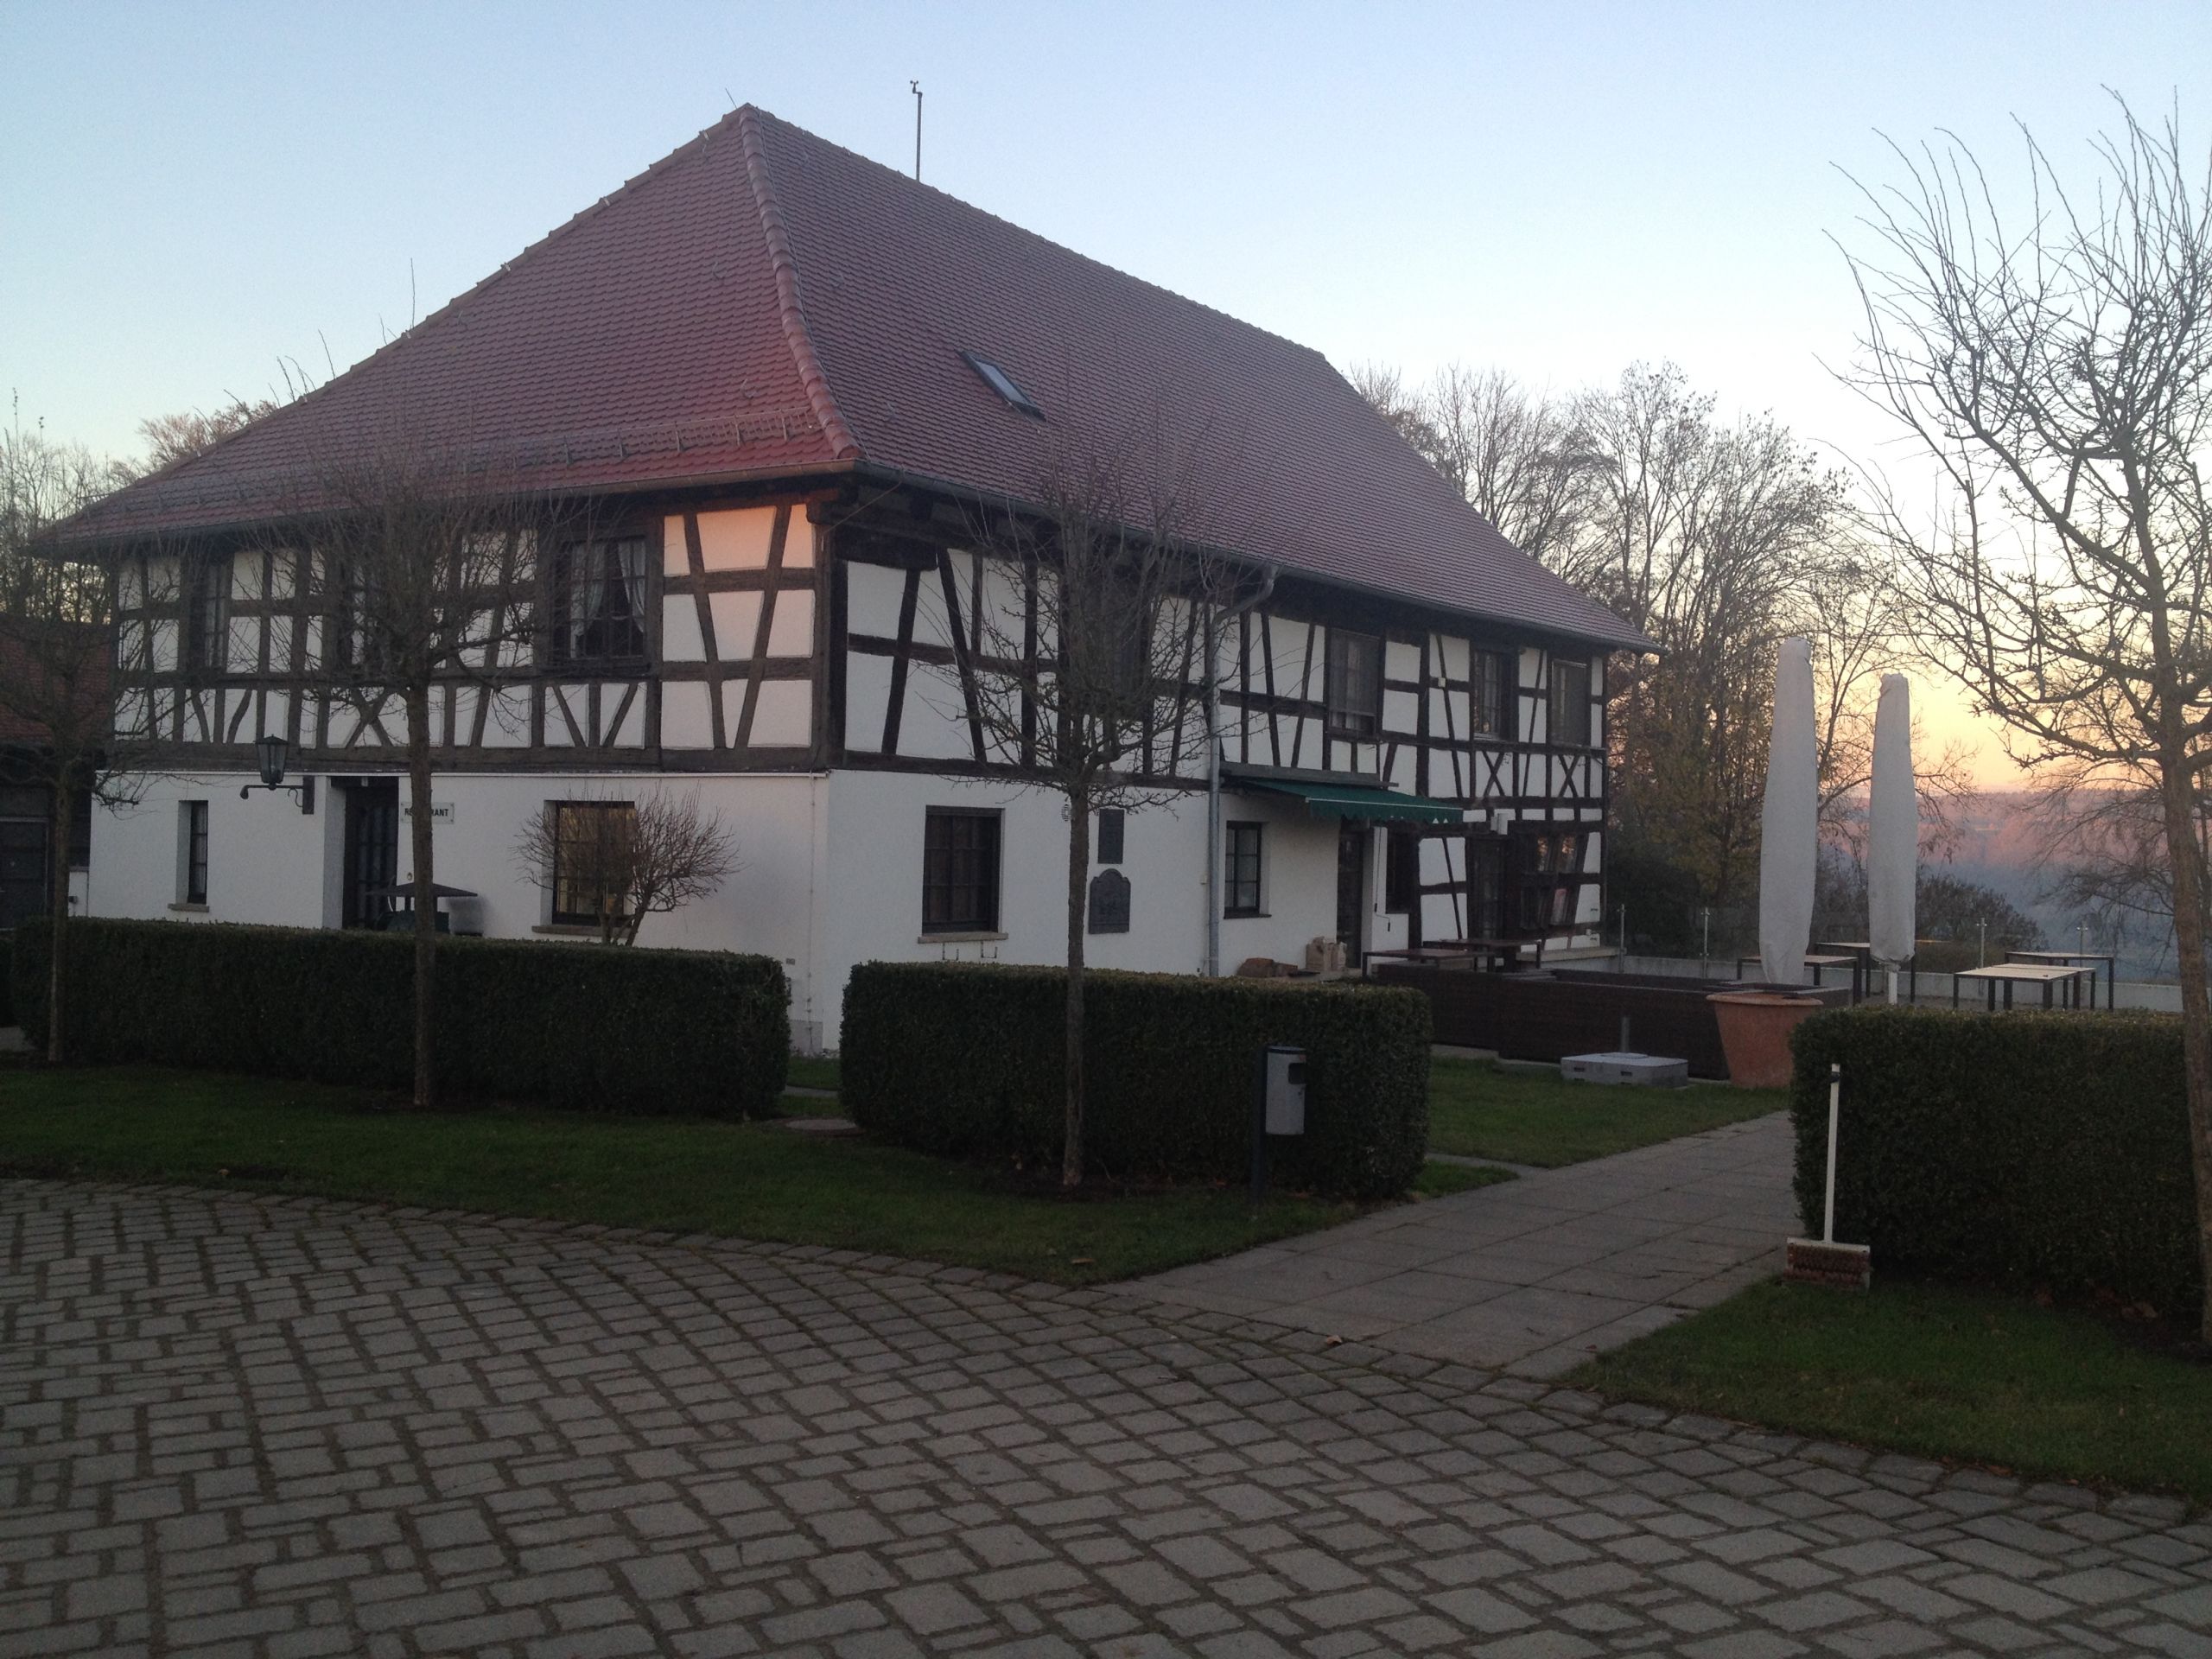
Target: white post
(1893, 987)
(1835, 1100)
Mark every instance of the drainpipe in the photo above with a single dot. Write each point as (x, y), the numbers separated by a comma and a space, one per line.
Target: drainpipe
(1217, 629)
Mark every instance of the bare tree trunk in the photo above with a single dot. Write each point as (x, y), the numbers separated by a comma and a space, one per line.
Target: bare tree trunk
(1078, 873)
(426, 905)
(57, 895)
(2188, 877)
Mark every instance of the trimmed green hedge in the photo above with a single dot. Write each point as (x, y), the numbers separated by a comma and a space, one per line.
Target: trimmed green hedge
(590, 1027)
(2032, 1149)
(965, 1060)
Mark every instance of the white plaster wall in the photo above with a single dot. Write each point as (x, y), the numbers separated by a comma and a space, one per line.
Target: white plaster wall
(267, 862)
(873, 857)
(831, 870)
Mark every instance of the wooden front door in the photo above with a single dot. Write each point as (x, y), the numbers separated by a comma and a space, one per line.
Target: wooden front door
(372, 851)
(1352, 837)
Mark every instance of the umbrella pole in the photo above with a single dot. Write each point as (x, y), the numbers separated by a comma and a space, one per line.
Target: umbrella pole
(1893, 987)
(1835, 1100)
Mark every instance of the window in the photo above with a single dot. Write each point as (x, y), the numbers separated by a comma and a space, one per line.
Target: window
(1402, 872)
(1354, 688)
(1241, 871)
(591, 861)
(1568, 719)
(353, 642)
(205, 616)
(960, 872)
(598, 602)
(1002, 382)
(1109, 835)
(1551, 879)
(81, 831)
(1485, 888)
(1493, 694)
(192, 852)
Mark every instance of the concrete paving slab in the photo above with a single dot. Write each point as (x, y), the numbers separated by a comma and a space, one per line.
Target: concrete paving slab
(1537, 1272)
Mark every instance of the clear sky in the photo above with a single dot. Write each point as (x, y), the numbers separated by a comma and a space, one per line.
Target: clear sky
(193, 194)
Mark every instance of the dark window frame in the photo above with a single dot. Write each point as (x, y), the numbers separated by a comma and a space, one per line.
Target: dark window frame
(1551, 876)
(1402, 872)
(1352, 692)
(1243, 868)
(963, 861)
(207, 633)
(623, 640)
(195, 852)
(1493, 696)
(1113, 828)
(570, 915)
(355, 641)
(1567, 721)
(1488, 902)
(1001, 381)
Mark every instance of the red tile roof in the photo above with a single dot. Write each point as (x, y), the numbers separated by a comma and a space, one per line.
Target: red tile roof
(762, 302)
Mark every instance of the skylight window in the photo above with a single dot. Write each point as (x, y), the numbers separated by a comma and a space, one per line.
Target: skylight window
(1002, 382)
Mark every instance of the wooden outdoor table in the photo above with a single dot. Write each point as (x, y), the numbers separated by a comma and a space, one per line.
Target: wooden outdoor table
(2009, 973)
(1816, 963)
(1433, 956)
(1499, 950)
(2071, 958)
(1863, 975)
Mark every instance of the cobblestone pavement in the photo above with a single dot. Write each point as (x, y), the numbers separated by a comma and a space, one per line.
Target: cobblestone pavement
(232, 1425)
(1534, 1275)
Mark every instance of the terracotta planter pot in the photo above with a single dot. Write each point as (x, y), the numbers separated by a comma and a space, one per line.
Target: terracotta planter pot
(1755, 1027)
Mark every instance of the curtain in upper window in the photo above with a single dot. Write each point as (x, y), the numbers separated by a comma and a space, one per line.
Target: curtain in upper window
(599, 602)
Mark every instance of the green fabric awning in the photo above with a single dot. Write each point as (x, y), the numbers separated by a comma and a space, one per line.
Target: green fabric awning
(1355, 801)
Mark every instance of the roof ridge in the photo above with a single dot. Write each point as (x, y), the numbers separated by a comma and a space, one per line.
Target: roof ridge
(789, 311)
(1027, 234)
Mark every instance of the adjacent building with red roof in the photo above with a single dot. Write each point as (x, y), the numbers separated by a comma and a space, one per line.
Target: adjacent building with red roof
(788, 378)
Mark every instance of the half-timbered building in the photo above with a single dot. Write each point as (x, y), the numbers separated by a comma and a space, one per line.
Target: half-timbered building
(787, 380)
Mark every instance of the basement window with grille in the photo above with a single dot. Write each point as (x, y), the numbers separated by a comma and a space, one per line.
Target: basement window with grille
(1002, 382)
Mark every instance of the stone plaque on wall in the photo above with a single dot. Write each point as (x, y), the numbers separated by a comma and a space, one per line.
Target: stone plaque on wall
(1109, 902)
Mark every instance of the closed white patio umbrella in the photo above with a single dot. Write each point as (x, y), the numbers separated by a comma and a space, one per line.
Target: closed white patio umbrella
(1893, 833)
(1790, 823)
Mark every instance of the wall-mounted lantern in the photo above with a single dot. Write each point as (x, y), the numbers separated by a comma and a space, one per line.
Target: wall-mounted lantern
(270, 749)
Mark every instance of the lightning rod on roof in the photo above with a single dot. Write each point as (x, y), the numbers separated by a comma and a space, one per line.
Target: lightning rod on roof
(917, 85)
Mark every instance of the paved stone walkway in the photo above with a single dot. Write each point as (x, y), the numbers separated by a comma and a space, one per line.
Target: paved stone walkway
(1533, 1274)
(239, 1425)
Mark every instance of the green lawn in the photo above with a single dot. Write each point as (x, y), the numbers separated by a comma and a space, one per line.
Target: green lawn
(1527, 1115)
(806, 1073)
(753, 1180)
(1937, 1372)
(1439, 1179)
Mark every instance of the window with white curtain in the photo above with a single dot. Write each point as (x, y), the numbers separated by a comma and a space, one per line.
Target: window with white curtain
(598, 602)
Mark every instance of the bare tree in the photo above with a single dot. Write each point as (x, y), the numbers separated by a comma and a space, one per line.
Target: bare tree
(2103, 847)
(621, 861)
(1514, 452)
(1077, 664)
(2058, 373)
(1703, 535)
(57, 642)
(178, 437)
(425, 559)
(1854, 612)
